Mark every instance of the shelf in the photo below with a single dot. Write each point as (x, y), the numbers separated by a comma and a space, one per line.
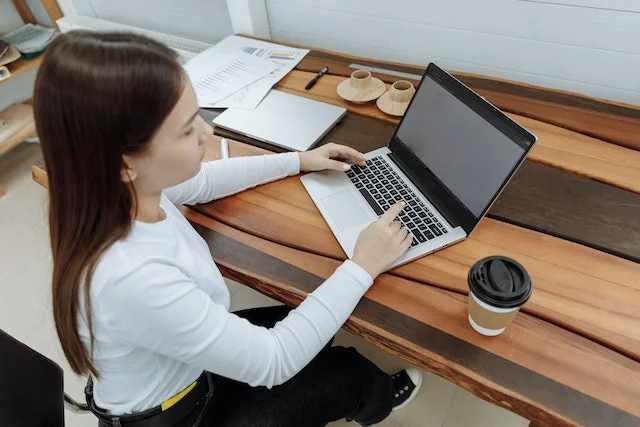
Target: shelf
(53, 11)
(20, 66)
(15, 139)
(22, 123)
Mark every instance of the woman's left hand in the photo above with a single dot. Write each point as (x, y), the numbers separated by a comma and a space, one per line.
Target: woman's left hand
(330, 156)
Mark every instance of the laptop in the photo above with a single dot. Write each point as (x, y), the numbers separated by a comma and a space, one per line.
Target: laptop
(449, 158)
(284, 120)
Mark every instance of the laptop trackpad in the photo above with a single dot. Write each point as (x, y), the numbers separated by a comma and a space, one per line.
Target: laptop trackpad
(345, 210)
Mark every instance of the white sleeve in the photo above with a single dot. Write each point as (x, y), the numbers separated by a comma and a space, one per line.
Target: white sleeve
(221, 178)
(161, 309)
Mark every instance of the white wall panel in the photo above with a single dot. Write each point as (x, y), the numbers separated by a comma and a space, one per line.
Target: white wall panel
(565, 44)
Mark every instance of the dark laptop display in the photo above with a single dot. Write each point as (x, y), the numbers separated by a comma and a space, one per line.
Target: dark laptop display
(466, 148)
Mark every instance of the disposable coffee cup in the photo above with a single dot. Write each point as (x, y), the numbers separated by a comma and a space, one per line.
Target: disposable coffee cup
(498, 287)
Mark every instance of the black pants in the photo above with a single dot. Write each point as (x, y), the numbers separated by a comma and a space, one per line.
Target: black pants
(338, 383)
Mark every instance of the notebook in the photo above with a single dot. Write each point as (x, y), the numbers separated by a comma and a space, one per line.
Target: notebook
(284, 120)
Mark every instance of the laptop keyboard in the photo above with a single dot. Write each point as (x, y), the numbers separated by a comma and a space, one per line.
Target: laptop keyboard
(381, 187)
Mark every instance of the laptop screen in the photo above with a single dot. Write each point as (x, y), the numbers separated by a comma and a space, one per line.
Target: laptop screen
(471, 154)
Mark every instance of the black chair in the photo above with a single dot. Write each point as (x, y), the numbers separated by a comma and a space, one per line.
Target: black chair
(31, 387)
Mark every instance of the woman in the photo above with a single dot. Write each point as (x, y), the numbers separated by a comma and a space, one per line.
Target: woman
(139, 305)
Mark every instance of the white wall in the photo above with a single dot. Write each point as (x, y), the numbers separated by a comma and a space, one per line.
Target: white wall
(205, 20)
(593, 50)
(9, 18)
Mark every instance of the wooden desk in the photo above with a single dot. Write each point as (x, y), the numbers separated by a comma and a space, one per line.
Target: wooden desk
(570, 216)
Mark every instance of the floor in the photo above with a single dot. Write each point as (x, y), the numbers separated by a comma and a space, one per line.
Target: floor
(25, 312)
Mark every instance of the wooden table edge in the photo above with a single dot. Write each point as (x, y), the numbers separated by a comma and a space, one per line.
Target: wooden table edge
(376, 336)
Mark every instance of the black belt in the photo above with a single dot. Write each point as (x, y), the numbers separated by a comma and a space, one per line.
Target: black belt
(167, 414)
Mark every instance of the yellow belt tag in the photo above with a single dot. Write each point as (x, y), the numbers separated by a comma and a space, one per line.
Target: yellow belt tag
(173, 400)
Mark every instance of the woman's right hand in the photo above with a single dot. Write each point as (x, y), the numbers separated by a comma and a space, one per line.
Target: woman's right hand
(382, 242)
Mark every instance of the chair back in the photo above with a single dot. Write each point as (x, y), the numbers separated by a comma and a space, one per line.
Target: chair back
(31, 386)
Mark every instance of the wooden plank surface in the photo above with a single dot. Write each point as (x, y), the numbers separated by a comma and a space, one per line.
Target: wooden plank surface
(556, 146)
(586, 291)
(536, 369)
(606, 120)
(572, 207)
(583, 155)
(572, 281)
(539, 197)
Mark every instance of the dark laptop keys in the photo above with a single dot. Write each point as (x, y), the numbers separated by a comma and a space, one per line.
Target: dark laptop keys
(381, 188)
(420, 236)
(435, 230)
(376, 207)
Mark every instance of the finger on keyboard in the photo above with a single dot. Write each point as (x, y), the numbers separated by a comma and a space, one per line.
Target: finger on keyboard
(390, 215)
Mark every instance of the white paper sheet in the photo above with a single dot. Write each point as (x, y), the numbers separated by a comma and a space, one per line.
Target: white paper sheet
(250, 96)
(217, 74)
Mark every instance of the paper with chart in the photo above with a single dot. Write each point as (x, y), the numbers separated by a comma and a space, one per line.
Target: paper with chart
(286, 57)
(215, 75)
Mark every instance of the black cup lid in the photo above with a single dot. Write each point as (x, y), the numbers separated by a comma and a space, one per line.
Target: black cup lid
(500, 282)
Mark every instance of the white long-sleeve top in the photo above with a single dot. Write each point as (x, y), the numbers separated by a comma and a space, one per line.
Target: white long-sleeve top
(160, 307)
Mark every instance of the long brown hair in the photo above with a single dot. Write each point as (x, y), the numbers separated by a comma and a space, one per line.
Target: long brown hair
(97, 97)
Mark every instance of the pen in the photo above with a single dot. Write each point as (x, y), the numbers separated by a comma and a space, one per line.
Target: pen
(315, 79)
(224, 148)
